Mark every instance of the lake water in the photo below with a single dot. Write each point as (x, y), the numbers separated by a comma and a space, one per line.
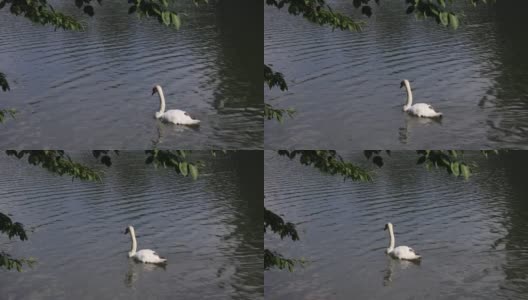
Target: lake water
(210, 230)
(345, 85)
(92, 89)
(472, 234)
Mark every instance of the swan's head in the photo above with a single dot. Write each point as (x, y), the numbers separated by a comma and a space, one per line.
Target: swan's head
(388, 226)
(404, 83)
(129, 229)
(155, 89)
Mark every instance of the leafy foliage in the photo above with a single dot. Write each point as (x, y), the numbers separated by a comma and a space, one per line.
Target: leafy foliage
(277, 225)
(273, 259)
(173, 159)
(58, 162)
(330, 162)
(12, 229)
(6, 112)
(451, 160)
(104, 156)
(5, 87)
(275, 79)
(284, 229)
(317, 11)
(3, 82)
(159, 10)
(41, 12)
(271, 112)
(14, 263)
(376, 157)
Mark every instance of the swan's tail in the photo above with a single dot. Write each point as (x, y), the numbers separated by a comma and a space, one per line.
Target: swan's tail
(161, 260)
(194, 122)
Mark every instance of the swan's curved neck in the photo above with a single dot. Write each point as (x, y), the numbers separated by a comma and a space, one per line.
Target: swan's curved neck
(162, 99)
(391, 245)
(409, 95)
(134, 242)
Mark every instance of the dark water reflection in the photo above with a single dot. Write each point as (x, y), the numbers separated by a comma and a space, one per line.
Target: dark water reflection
(472, 234)
(209, 230)
(93, 89)
(345, 86)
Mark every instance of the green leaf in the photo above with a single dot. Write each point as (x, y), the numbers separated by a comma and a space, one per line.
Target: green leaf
(444, 19)
(193, 171)
(455, 168)
(183, 168)
(175, 20)
(465, 171)
(166, 17)
(453, 21)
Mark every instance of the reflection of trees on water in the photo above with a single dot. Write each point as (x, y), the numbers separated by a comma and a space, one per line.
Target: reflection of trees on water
(509, 91)
(241, 28)
(244, 242)
(514, 243)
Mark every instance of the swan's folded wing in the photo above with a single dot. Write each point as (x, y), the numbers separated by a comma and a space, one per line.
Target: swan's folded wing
(156, 253)
(412, 251)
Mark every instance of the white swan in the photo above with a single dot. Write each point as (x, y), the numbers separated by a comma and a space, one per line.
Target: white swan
(400, 252)
(145, 255)
(418, 109)
(175, 116)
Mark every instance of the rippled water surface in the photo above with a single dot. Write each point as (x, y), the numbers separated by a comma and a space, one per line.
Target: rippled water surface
(345, 85)
(210, 230)
(81, 90)
(472, 234)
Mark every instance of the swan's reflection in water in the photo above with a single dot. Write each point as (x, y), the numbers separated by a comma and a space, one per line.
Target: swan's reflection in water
(167, 128)
(411, 122)
(136, 268)
(395, 265)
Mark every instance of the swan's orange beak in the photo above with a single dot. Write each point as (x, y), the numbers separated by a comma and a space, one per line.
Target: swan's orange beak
(154, 91)
(402, 84)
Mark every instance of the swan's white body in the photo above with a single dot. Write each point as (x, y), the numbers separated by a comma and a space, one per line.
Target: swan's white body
(175, 116)
(400, 252)
(419, 109)
(145, 255)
